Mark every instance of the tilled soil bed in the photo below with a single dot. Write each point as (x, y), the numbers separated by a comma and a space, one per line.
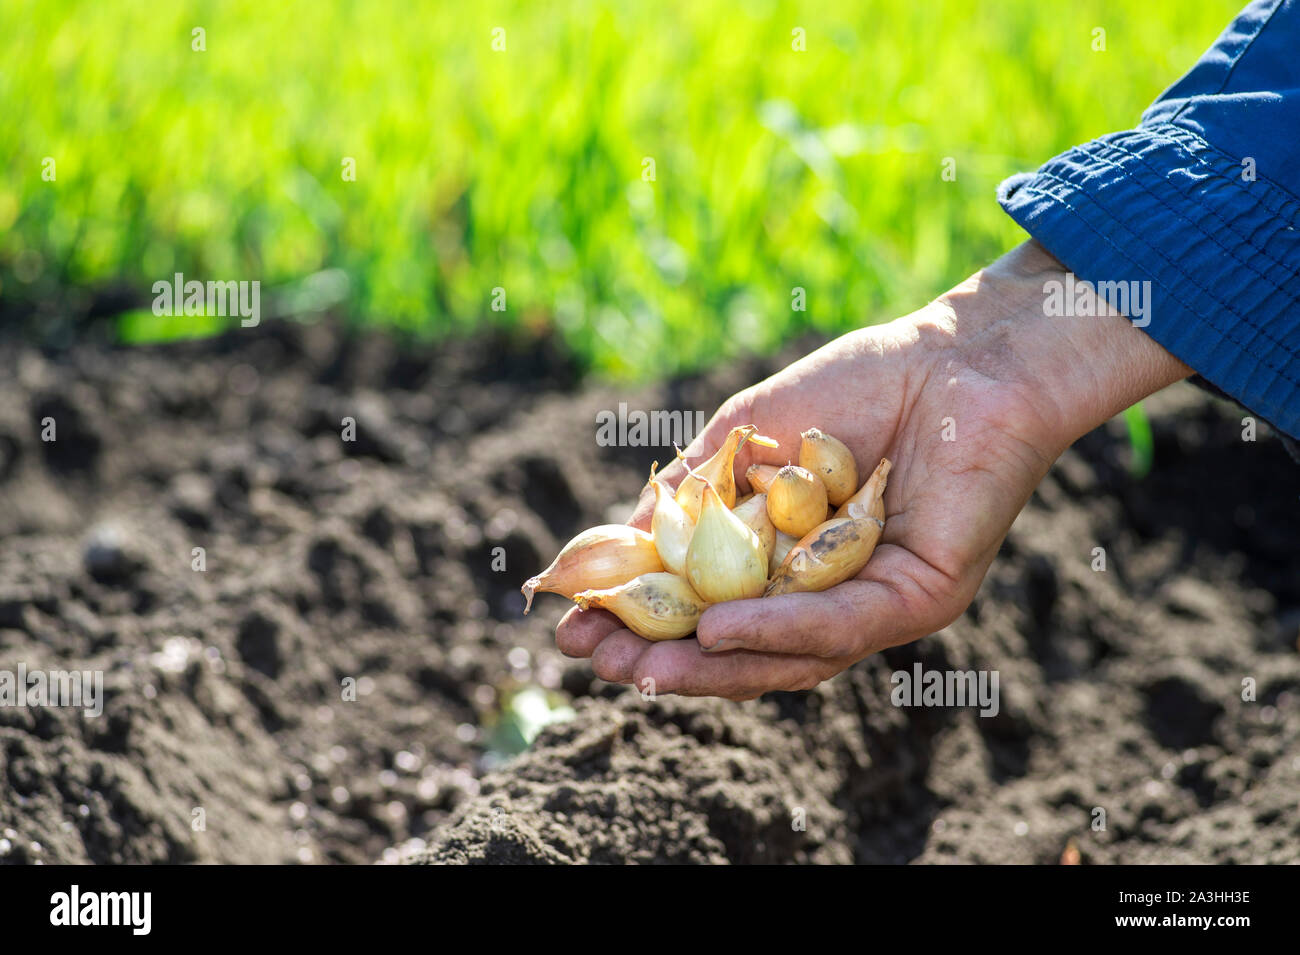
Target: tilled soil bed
(228, 732)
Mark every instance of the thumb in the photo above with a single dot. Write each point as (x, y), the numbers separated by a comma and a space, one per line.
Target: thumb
(852, 619)
(645, 508)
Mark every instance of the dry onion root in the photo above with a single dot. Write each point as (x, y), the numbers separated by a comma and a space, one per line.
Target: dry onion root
(705, 546)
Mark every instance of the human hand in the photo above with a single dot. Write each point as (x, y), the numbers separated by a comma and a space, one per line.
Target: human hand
(972, 398)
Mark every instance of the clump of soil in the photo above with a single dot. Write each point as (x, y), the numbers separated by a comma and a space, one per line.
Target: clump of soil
(313, 684)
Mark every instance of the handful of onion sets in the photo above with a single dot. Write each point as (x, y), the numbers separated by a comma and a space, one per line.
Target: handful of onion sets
(805, 527)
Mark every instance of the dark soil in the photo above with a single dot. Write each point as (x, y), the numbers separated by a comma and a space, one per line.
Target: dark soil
(370, 563)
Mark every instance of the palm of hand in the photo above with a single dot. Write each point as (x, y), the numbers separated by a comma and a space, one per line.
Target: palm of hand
(966, 458)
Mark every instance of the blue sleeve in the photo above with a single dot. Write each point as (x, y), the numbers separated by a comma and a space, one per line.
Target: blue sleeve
(1201, 202)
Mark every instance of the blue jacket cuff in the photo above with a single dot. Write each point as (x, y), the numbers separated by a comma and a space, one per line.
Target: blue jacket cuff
(1221, 251)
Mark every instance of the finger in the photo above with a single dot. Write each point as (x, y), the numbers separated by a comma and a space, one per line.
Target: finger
(644, 510)
(837, 622)
(681, 667)
(616, 657)
(581, 631)
(852, 619)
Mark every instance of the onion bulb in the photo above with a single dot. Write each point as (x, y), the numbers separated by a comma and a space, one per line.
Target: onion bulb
(726, 559)
(654, 606)
(603, 556)
(831, 460)
(796, 500)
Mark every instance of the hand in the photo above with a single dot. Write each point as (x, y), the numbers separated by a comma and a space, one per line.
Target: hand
(972, 398)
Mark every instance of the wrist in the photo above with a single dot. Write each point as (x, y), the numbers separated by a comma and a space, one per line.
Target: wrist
(1004, 323)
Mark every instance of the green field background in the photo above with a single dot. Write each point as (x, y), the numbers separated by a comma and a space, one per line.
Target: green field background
(523, 168)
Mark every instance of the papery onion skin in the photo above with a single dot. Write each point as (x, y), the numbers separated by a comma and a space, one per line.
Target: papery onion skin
(658, 606)
(603, 556)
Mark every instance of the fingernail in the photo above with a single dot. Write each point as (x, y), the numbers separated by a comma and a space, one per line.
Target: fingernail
(721, 645)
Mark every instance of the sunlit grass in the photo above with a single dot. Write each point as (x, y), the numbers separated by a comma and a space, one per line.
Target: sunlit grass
(522, 169)
(1142, 450)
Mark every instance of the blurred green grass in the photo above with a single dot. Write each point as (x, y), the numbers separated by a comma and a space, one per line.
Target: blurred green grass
(522, 169)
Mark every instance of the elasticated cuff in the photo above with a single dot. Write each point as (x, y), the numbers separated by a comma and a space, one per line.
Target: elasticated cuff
(1159, 204)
